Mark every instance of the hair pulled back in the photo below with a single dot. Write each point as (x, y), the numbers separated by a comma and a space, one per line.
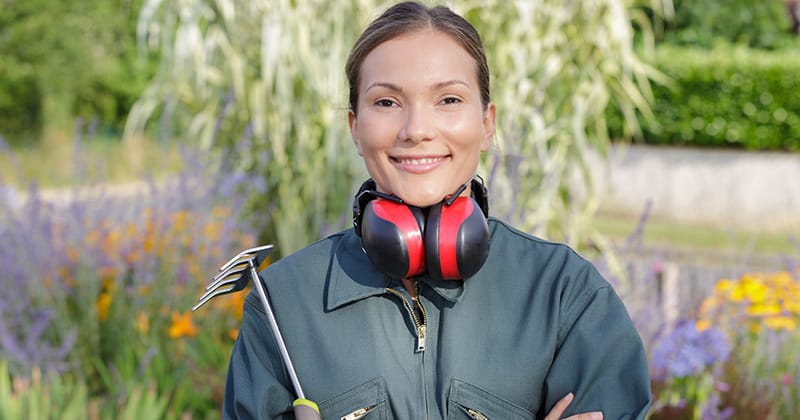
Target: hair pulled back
(408, 17)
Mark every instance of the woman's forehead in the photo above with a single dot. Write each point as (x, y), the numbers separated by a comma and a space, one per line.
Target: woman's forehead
(429, 58)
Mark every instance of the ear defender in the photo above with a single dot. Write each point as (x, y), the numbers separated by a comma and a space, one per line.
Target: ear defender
(391, 235)
(449, 240)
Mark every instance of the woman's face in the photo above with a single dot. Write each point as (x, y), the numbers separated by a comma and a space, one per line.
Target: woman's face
(420, 125)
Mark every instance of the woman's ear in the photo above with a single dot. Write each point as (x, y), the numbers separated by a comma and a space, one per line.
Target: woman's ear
(489, 120)
(352, 121)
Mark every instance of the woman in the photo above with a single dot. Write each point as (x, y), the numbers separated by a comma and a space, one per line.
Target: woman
(510, 328)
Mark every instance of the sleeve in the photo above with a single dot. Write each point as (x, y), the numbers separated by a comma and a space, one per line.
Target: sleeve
(253, 390)
(600, 359)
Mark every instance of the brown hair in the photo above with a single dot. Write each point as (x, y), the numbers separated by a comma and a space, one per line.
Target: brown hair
(408, 17)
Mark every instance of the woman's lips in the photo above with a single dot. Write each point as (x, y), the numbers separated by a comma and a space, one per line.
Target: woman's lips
(419, 165)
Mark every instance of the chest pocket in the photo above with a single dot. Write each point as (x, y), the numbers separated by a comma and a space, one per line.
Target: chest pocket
(467, 401)
(364, 402)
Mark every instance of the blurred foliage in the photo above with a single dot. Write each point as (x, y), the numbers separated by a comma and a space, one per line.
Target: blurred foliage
(730, 96)
(755, 23)
(51, 396)
(97, 285)
(61, 60)
(759, 312)
(255, 82)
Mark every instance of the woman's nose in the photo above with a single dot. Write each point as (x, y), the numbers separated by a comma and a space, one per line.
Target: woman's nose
(418, 125)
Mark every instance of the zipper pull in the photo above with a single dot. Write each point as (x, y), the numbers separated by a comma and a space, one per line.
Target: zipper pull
(361, 412)
(477, 415)
(422, 330)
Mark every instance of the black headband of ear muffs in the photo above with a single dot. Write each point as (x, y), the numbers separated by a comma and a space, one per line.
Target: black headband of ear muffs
(369, 191)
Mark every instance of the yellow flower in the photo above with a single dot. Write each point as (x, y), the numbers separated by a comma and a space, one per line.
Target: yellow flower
(102, 305)
(792, 305)
(182, 325)
(754, 289)
(781, 323)
(782, 278)
(764, 309)
(724, 286)
(709, 304)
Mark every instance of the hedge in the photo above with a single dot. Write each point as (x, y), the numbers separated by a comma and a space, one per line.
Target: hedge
(756, 23)
(725, 97)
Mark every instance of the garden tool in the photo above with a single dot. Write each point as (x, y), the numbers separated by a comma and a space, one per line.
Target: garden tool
(234, 276)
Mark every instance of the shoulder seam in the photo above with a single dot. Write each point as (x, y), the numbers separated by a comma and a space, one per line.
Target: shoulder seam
(576, 310)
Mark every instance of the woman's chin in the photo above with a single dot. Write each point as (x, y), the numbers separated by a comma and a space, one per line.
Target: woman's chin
(422, 198)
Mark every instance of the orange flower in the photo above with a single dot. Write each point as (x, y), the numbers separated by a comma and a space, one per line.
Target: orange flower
(102, 306)
(264, 264)
(142, 323)
(212, 230)
(182, 325)
(233, 334)
(236, 303)
(702, 325)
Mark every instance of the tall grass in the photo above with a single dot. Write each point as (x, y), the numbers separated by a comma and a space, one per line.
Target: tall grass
(271, 72)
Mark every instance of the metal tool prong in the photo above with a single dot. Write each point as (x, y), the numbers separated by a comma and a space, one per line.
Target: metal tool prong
(236, 269)
(259, 250)
(234, 274)
(237, 283)
(234, 279)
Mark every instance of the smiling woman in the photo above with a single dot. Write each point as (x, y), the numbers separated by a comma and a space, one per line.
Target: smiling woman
(529, 330)
(419, 122)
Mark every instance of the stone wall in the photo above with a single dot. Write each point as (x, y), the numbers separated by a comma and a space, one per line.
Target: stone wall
(720, 188)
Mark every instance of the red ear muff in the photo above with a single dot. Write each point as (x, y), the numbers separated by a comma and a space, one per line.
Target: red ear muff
(456, 239)
(392, 237)
(451, 241)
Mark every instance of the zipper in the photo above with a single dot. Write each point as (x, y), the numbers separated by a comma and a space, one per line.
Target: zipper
(361, 412)
(420, 325)
(477, 415)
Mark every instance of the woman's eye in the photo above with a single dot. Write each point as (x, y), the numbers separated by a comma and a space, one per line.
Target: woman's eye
(450, 100)
(385, 102)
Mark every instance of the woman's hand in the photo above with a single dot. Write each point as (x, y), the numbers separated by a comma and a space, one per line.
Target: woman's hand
(562, 405)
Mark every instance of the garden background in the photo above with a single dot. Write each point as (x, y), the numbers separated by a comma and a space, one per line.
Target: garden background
(145, 142)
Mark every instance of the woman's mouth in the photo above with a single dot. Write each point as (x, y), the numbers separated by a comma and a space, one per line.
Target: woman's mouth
(420, 164)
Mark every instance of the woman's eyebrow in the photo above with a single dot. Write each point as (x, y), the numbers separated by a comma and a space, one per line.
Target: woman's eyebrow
(447, 83)
(387, 85)
(435, 86)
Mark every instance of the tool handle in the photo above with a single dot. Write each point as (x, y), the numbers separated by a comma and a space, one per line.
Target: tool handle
(306, 410)
(276, 332)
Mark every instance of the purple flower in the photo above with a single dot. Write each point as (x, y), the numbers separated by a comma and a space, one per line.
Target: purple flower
(712, 411)
(58, 251)
(686, 351)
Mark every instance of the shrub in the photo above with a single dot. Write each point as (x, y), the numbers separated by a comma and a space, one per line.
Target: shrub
(725, 97)
(759, 24)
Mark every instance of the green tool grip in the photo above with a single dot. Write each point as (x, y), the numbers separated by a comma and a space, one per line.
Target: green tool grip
(306, 410)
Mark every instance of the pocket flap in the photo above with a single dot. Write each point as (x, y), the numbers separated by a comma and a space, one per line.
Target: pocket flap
(369, 395)
(465, 397)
